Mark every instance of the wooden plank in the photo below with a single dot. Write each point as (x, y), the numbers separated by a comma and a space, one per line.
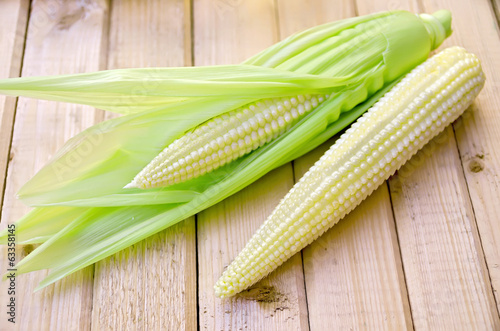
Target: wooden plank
(361, 255)
(496, 8)
(63, 37)
(366, 7)
(228, 32)
(275, 303)
(446, 275)
(361, 252)
(13, 20)
(150, 285)
(149, 33)
(478, 132)
(298, 15)
(154, 279)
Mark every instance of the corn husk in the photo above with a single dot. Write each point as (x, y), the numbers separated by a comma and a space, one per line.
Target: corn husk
(83, 212)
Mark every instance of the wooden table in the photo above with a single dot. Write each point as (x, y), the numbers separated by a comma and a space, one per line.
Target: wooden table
(422, 252)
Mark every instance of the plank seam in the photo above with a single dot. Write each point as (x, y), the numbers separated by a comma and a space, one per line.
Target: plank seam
(495, 11)
(92, 297)
(98, 117)
(294, 179)
(106, 33)
(189, 61)
(305, 288)
(420, 6)
(302, 259)
(355, 7)
(9, 149)
(189, 26)
(400, 254)
(278, 29)
(198, 321)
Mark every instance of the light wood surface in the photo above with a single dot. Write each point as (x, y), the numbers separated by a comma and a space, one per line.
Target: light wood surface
(478, 132)
(62, 37)
(13, 20)
(356, 266)
(278, 302)
(164, 264)
(423, 252)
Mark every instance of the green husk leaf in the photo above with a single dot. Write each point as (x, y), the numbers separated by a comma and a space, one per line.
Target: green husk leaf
(38, 225)
(128, 91)
(89, 170)
(100, 232)
(42, 223)
(93, 167)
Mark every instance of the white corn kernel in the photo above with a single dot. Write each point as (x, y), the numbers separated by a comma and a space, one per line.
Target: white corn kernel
(224, 139)
(381, 141)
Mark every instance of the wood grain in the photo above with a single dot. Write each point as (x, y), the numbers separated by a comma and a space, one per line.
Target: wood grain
(62, 38)
(13, 21)
(295, 15)
(227, 32)
(436, 249)
(447, 278)
(367, 7)
(150, 285)
(275, 303)
(445, 273)
(353, 272)
(478, 132)
(155, 279)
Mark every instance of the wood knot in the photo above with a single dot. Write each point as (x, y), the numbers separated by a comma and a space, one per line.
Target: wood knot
(475, 166)
(67, 20)
(262, 293)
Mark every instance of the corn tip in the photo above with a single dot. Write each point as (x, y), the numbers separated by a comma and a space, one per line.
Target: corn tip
(131, 185)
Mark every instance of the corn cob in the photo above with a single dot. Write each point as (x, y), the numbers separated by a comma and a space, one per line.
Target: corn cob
(428, 99)
(323, 51)
(223, 139)
(352, 61)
